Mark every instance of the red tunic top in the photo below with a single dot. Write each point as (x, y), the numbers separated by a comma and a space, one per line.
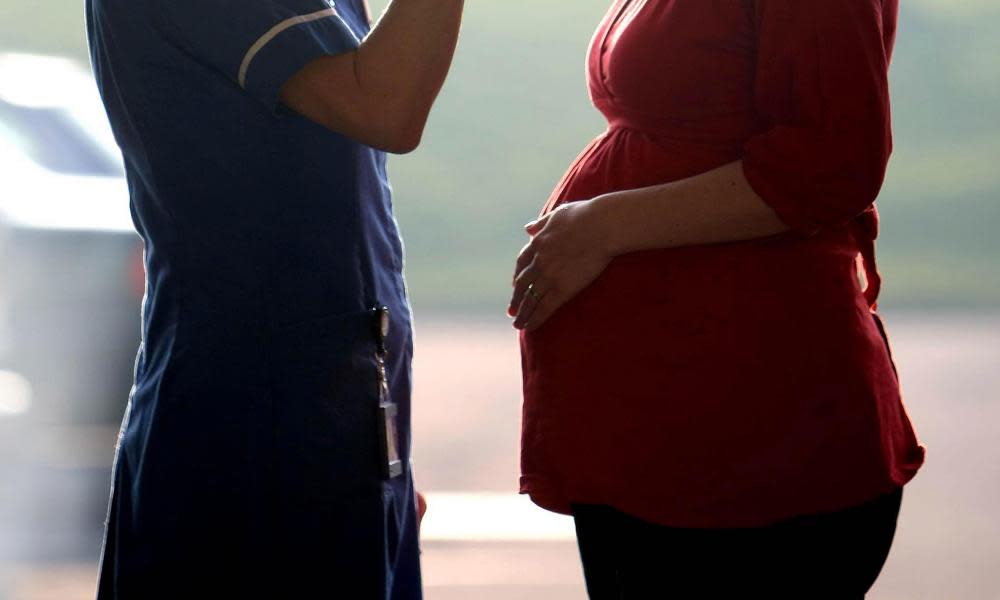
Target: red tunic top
(736, 384)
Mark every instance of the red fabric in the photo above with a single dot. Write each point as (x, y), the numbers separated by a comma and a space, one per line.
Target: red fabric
(736, 384)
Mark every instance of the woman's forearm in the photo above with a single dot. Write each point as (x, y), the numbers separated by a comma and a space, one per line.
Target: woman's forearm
(382, 93)
(406, 57)
(714, 207)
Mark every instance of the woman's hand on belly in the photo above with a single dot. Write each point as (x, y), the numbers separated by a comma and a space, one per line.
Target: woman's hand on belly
(566, 253)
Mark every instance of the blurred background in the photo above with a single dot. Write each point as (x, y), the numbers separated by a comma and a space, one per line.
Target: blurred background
(513, 115)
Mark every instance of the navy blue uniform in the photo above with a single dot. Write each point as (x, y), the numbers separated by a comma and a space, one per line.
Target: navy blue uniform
(249, 462)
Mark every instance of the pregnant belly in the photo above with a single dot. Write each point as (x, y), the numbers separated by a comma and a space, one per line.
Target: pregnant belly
(682, 310)
(672, 357)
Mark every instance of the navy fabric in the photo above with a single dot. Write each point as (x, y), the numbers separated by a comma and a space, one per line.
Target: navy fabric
(248, 464)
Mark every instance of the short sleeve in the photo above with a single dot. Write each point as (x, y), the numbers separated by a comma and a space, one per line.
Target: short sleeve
(822, 92)
(259, 44)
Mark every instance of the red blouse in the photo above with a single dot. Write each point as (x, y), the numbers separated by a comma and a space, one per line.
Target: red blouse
(735, 384)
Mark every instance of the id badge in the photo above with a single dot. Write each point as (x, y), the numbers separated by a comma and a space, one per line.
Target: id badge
(392, 466)
(390, 451)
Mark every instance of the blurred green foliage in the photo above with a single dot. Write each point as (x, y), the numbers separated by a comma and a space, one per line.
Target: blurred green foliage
(515, 112)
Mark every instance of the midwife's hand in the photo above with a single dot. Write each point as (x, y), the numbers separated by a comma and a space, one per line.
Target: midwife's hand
(421, 509)
(566, 253)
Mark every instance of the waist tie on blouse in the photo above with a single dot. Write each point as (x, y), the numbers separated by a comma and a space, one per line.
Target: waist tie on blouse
(715, 132)
(865, 230)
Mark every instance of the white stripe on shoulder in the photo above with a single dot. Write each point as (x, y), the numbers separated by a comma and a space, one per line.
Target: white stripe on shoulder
(272, 33)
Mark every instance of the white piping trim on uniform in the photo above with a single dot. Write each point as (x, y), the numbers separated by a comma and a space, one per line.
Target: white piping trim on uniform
(272, 33)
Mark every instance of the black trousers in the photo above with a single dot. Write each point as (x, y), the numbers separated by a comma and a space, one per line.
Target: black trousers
(831, 556)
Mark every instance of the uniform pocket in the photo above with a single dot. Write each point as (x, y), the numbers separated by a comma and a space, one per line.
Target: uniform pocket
(326, 407)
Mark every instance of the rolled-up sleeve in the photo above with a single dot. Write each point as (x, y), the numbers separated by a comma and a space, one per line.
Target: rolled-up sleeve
(822, 93)
(259, 44)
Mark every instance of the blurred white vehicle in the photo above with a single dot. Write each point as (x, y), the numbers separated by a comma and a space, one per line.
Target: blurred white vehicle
(71, 275)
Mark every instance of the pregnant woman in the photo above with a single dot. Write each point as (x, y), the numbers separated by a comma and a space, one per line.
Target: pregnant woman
(708, 389)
